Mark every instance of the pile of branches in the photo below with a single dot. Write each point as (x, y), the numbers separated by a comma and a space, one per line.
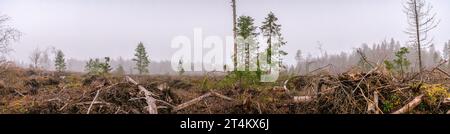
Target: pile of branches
(373, 92)
(125, 97)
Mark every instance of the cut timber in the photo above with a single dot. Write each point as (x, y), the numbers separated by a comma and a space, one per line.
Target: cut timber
(303, 99)
(151, 102)
(410, 106)
(193, 101)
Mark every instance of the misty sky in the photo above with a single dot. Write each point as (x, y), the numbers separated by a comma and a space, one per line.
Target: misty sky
(98, 28)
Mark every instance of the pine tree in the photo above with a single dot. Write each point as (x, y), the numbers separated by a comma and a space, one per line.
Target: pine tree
(247, 44)
(400, 63)
(272, 31)
(60, 62)
(141, 59)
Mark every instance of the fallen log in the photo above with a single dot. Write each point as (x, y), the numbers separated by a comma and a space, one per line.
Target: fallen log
(194, 101)
(151, 102)
(410, 106)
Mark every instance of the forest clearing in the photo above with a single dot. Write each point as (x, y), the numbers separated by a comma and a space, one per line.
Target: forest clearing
(353, 92)
(389, 77)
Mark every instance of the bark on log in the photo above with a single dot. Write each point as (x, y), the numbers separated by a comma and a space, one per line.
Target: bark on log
(151, 102)
(410, 106)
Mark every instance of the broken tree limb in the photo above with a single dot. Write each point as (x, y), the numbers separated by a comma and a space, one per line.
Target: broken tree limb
(410, 106)
(193, 101)
(151, 102)
(446, 101)
(19, 93)
(442, 71)
(141, 88)
(92, 103)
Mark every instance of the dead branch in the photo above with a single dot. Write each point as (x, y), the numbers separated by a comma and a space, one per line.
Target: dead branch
(446, 101)
(442, 71)
(65, 105)
(320, 68)
(410, 106)
(92, 103)
(141, 88)
(259, 108)
(222, 96)
(434, 68)
(15, 90)
(364, 58)
(285, 85)
(400, 89)
(151, 102)
(193, 101)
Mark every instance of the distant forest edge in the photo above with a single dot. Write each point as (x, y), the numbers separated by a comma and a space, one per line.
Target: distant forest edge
(376, 53)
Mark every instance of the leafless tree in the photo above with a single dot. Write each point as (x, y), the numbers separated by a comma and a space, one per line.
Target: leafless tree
(421, 20)
(7, 35)
(233, 5)
(35, 57)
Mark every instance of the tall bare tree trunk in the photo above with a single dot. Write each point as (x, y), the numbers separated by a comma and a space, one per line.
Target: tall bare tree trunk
(234, 34)
(418, 38)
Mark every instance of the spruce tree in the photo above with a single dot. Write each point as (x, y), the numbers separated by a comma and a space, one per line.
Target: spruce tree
(272, 31)
(141, 59)
(60, 62)
(247, 44)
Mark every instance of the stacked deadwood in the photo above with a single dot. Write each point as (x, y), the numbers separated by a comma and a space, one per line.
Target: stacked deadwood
(356, 92)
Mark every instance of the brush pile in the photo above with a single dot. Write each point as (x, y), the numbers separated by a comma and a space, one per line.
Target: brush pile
(374, 92)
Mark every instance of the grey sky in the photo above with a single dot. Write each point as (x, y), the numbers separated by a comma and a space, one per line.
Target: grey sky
(98, 28)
